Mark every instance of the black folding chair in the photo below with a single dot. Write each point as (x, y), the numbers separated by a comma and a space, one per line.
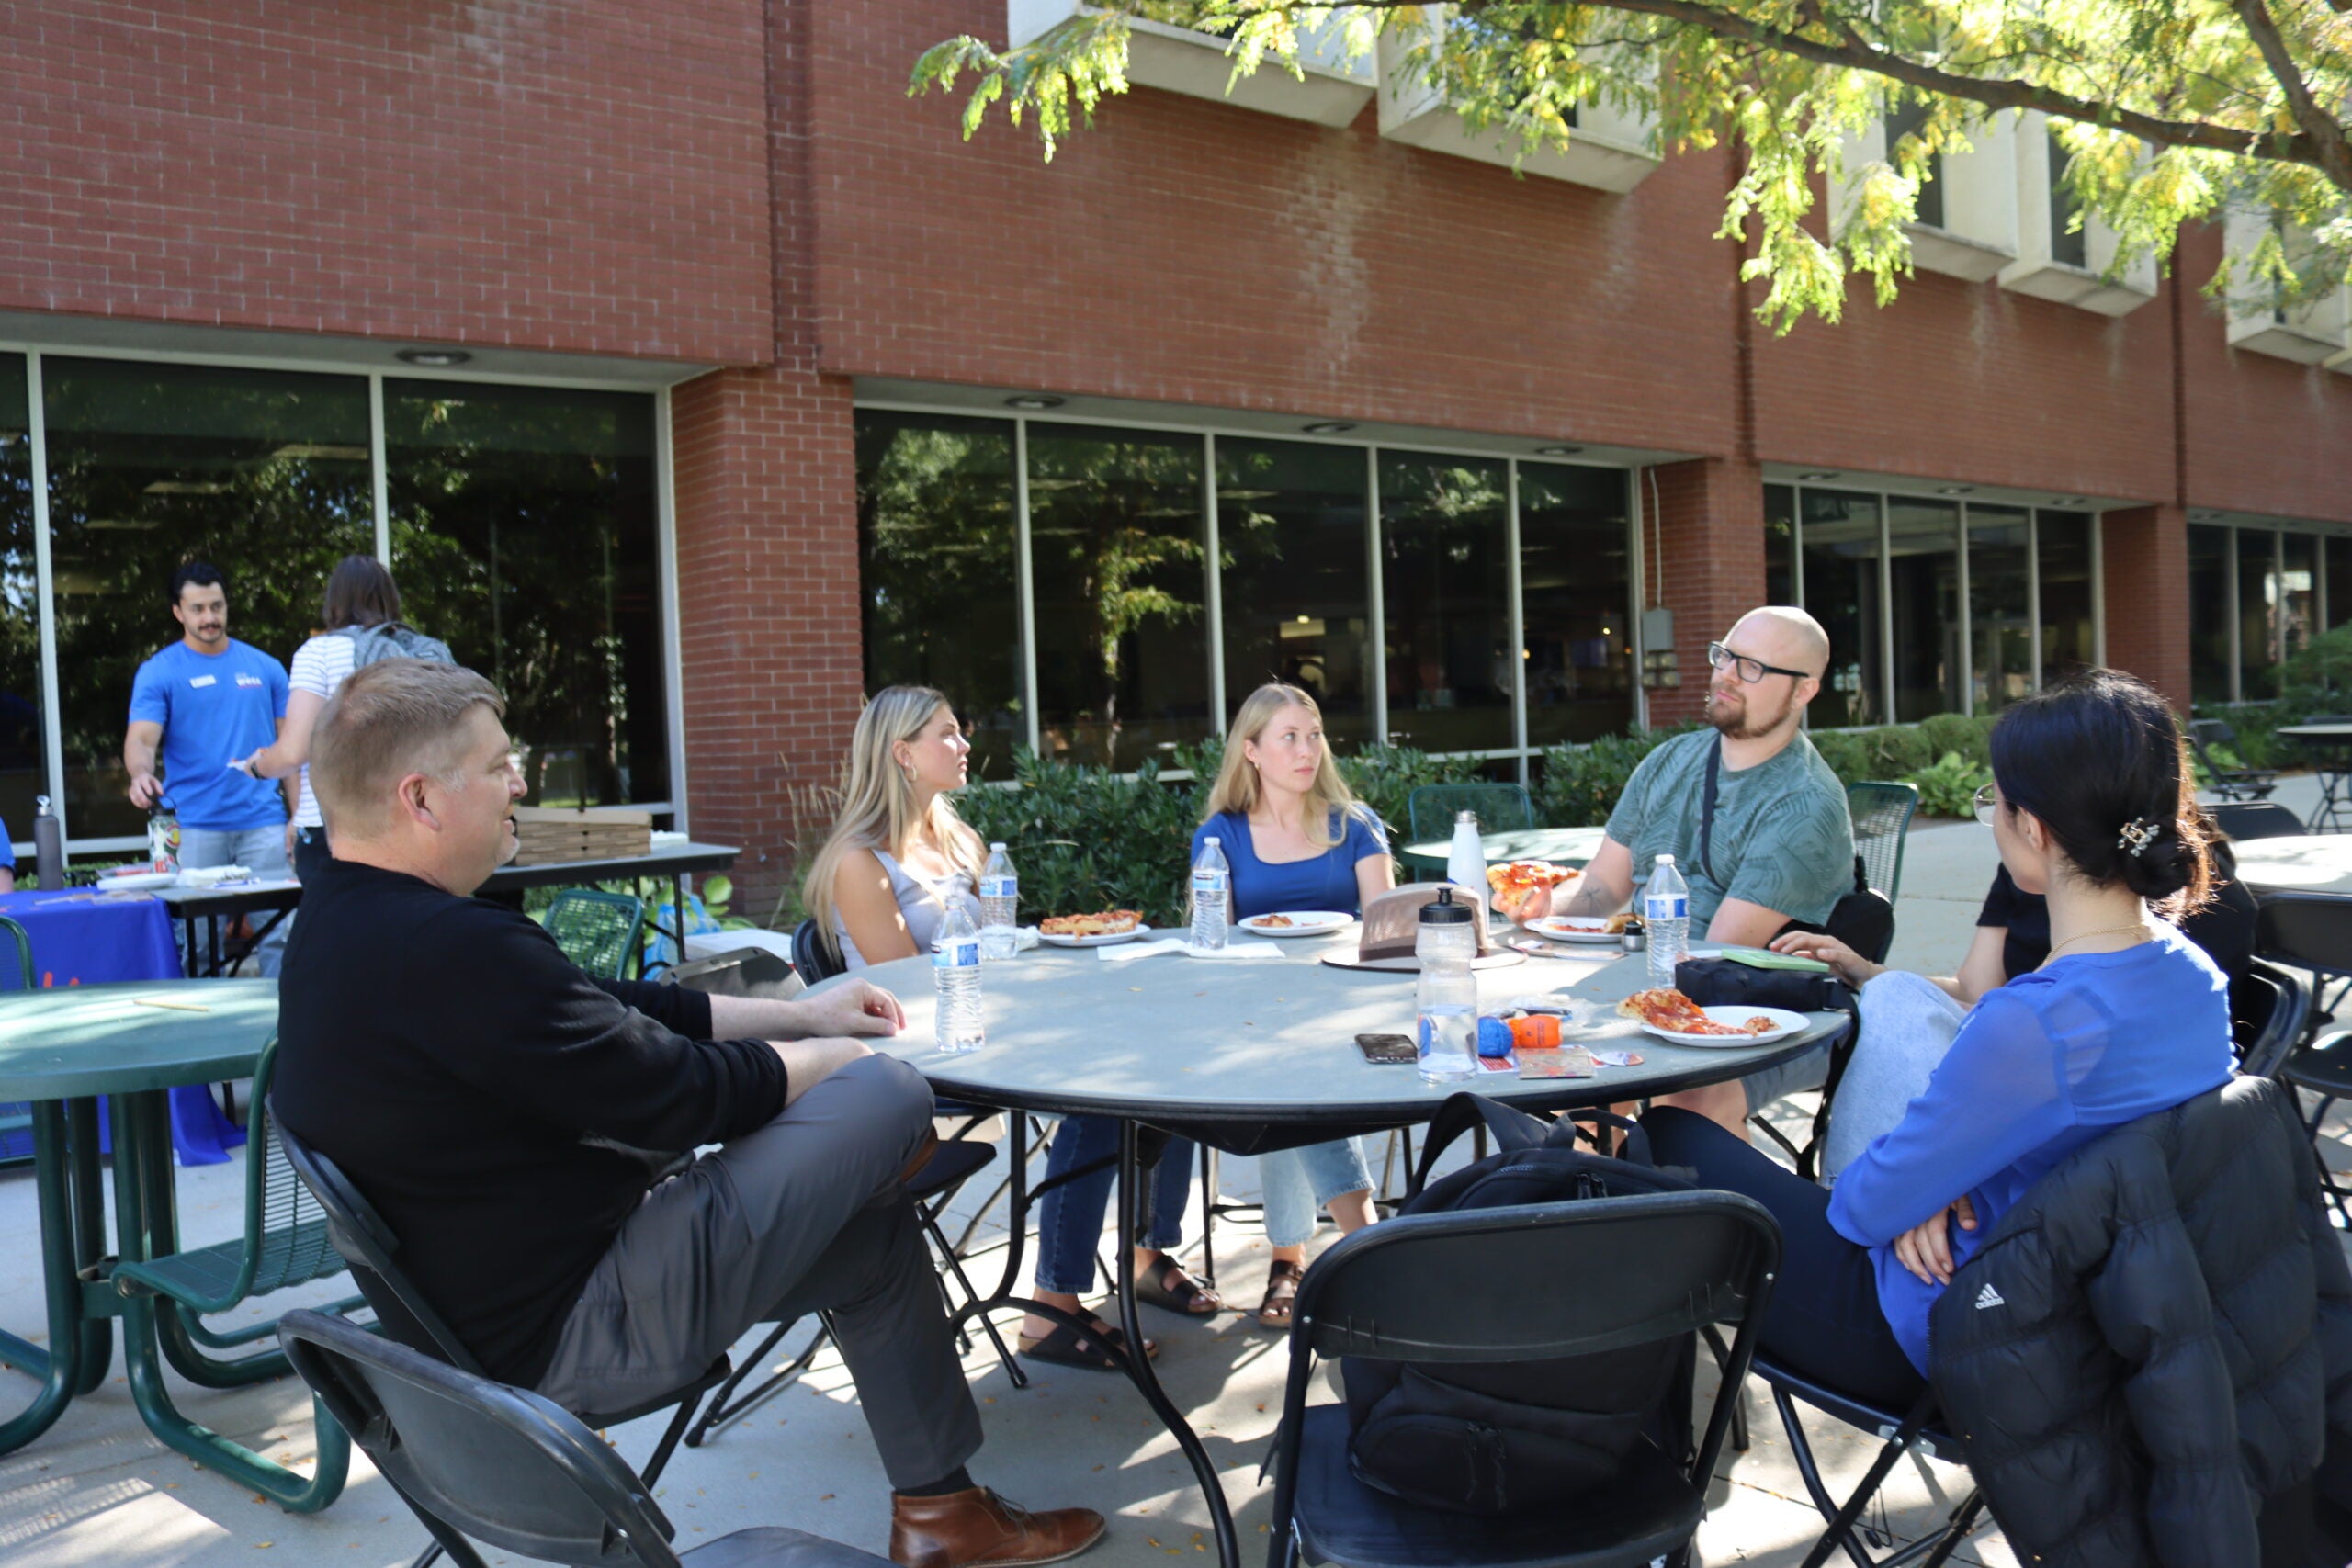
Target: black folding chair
(1901, 1432)
(2270, 1011)
(2313, 931)
(2242, 819)
(813, 955)
(370, 1248)
(1517, 1284)
(2230, 784)
(481, 1460)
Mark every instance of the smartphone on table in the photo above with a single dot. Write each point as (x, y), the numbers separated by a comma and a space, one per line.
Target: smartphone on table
(1388, 1048)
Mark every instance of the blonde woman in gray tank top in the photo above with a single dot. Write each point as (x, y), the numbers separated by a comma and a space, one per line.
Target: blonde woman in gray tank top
(899, 855)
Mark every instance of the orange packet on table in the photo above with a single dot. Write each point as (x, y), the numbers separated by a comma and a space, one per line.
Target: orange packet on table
(1536, 1031)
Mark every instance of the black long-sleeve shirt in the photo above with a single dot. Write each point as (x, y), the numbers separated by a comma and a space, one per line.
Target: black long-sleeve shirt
(453, 1062)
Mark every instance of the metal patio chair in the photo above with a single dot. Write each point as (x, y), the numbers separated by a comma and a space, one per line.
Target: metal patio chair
(1881, 817)
(1501, 808)
(596, 930)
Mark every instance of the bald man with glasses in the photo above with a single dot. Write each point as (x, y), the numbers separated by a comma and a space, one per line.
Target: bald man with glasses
(1779, 848)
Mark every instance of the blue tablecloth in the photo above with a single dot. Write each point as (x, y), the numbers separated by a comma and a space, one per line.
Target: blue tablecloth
(84, 939)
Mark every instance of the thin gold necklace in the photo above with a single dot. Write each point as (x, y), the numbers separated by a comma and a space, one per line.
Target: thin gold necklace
(2140, 926)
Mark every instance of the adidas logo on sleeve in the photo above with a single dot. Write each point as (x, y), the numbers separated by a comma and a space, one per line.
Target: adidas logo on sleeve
(1989, 1297)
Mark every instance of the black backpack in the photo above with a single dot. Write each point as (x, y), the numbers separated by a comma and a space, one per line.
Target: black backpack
(1498, 1437)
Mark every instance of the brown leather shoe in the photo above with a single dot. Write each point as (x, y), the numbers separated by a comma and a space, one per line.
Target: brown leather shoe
(979, 1527)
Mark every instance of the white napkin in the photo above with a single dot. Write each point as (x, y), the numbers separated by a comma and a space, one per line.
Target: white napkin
(1127, 952)
(1024, 938)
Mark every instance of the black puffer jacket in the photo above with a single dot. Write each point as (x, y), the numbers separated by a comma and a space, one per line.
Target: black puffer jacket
(2156, 1342)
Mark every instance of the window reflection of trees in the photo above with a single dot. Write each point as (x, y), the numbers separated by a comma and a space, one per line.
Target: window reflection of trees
(263, 473)
(1447, 614)
(936, 534)
(525, 535)
(1117, 563)
(21, 766)
(1293, 579)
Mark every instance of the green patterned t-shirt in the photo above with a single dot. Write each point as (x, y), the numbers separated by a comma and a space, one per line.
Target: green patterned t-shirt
(1781, 839)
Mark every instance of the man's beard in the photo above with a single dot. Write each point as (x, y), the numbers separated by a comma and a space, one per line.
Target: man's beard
(1739, 724)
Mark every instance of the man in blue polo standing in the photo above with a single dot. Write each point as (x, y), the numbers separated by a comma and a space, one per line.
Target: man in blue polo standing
(199, 706)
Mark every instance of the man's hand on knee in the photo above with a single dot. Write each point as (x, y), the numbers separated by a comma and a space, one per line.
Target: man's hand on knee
(807, 1063)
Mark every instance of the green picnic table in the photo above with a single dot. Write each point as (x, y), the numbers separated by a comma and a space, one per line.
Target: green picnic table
(134, 1041)
(1561, 846)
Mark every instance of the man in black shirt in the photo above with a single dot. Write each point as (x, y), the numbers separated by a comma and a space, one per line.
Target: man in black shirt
(475, 1085)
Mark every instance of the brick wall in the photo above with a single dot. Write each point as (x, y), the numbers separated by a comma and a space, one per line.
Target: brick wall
(588, 176)
(1710, 537)
(2145, 554)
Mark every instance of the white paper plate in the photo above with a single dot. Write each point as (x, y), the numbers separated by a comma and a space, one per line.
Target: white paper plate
(132, 882)
(1785, 1024)
(1303, 922)
(1093, 941)
(1590, 930)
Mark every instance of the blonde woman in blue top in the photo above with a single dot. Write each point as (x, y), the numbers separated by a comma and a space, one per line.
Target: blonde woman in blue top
(1295, 839)
(2095, 807)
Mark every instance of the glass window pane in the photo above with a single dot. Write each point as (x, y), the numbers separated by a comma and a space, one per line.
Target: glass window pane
(2209, 613)
(525, 535)
(1117, 562)
(2067, 245)
(2000, 612)
(2339, 580)
(2069, 633)
(936, 542)
(1574, 567)
(2299, 590)
(1904, 119)
(2259, 613)
(1445, 576)
(1923, 585)
(1291, 528)
(1779, 544)
(263, 473)
(22, 769)
(1841, 592)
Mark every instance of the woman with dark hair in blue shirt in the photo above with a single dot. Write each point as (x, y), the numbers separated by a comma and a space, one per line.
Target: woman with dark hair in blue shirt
(2094, 807)
(1296, 838)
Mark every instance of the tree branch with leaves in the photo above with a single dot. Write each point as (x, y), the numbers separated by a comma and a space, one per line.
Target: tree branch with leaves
(2172, 112)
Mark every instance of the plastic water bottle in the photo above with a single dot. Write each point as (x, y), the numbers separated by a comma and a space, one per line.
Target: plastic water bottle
(999, 898)
(956, 970)
(1665, 914)
(1211, 879)
(1466, 862)
(1445, 997)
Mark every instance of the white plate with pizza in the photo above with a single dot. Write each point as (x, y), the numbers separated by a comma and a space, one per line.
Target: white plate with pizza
(1588, 930)
(1296, 922)
(1670, 1015)
(1093, 931)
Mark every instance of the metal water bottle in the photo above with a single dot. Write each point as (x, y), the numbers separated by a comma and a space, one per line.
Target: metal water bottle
(49, 846)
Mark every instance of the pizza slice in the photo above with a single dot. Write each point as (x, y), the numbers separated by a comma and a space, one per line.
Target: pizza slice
(1676, 1014)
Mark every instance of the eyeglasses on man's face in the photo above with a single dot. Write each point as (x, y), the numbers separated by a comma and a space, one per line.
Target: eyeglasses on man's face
(1750, 671)
(1986, 802)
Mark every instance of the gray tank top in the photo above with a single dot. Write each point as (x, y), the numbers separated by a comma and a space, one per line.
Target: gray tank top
(922, 903)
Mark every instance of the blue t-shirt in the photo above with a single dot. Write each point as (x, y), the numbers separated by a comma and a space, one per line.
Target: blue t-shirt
(1326, 882)
(2042, 1066)
(214, 707)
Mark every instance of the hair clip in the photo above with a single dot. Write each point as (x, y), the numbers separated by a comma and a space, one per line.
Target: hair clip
(2138, 834)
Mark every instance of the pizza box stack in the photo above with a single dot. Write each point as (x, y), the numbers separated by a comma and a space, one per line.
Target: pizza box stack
(550, 834)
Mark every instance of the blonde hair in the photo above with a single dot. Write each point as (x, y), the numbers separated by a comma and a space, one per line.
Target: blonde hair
(1237, 787)
(878, 811)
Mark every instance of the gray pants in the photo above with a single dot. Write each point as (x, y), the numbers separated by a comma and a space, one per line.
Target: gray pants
(261, 851)
(804, 1215)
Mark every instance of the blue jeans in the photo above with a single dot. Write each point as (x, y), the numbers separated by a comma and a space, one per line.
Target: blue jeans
(261, 851)
(1070, 1218)
(1299, 1182)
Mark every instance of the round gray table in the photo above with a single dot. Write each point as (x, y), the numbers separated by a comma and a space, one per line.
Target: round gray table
(1249, 1056)
(2311, 863)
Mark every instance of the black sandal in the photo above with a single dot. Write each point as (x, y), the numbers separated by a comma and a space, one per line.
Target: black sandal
(1102, 1350)
(1282, 1292)
(1166, 1285)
